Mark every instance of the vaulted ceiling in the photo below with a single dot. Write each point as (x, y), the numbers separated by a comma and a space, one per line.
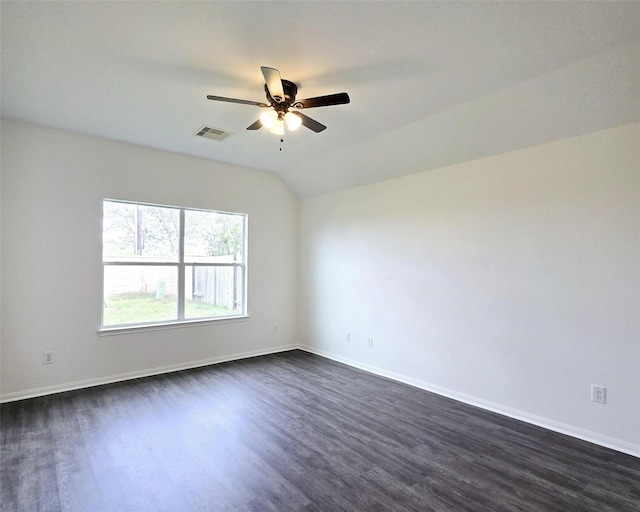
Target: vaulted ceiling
(431, 83)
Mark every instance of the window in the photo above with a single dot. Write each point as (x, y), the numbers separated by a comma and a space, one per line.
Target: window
(165, 264)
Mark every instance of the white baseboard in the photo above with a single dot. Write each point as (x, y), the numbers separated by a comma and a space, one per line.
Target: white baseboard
(562, 428)
(70, 386)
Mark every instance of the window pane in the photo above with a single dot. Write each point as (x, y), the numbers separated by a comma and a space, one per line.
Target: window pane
(144, 263)
(213, 291)
(139, 293)
(212, 237)
(132, 232)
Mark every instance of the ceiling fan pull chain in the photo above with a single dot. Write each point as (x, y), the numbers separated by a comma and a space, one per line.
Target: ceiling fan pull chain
(281, 141)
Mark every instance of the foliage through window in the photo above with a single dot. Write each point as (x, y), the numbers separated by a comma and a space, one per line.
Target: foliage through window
(166, 264)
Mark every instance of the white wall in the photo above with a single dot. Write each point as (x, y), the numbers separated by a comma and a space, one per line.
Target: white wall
(53, 183)
(512, 282)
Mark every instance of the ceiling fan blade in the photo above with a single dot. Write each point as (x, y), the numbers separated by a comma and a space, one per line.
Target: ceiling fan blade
(242, 102)
(312, 124)
(340, 98)
(255, 126)
(274, 83)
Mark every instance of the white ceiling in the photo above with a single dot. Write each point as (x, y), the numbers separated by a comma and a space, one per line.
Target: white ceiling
(431, 83)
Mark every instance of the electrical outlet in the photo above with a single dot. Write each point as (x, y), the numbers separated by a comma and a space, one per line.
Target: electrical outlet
(598, 394)
(47, 357)
(274, 328)
(370, 340)
(348, 336)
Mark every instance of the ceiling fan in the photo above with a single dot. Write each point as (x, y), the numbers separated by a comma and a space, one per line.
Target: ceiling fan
(281, 96)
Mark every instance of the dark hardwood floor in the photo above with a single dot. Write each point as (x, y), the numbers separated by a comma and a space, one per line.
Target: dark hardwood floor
(293, 432)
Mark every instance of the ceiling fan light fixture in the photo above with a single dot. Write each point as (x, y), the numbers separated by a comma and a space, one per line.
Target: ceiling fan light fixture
(293, 121)
(277, 127)
(268, 118)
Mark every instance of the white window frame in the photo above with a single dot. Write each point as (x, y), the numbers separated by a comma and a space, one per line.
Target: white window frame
(181, 265)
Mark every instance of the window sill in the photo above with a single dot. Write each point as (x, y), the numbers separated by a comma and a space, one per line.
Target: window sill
(129, 329)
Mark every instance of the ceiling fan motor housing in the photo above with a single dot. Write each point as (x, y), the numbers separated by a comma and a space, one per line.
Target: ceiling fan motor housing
(290, 90)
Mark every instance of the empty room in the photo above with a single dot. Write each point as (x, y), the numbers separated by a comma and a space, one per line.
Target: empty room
(320, 256)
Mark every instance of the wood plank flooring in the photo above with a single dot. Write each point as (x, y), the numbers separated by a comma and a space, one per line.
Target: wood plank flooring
(293, 432)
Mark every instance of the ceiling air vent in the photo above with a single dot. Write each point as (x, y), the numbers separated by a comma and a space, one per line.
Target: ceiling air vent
(212, 133)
